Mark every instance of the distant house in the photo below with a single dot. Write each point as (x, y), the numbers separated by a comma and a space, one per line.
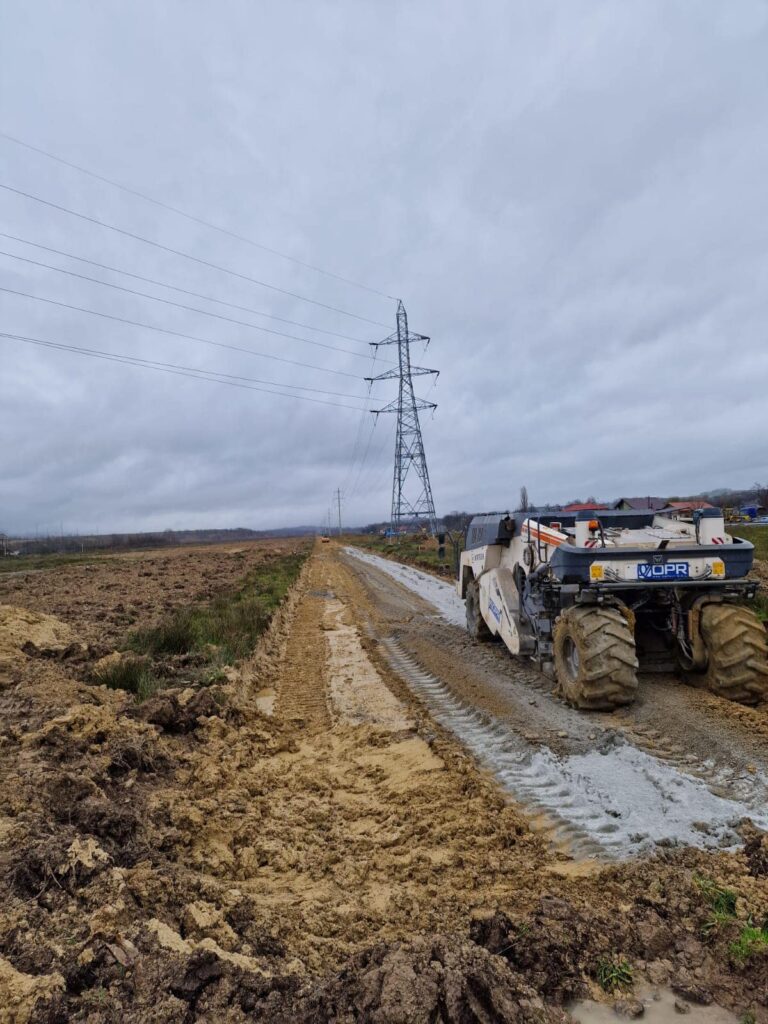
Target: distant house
(640, 504)
(686, 508)
(585, 507)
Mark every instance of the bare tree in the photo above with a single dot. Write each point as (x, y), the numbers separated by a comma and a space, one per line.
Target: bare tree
(761, 494)
(524, 504)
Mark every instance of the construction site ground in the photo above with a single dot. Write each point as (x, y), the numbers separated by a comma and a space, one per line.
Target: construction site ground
(367, 819)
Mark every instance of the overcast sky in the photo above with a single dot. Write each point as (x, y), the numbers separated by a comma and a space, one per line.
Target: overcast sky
(570, 197)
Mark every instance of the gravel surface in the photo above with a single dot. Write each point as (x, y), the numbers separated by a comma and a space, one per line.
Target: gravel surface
(441, 595)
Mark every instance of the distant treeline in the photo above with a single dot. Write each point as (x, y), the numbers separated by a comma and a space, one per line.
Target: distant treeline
(74, 543)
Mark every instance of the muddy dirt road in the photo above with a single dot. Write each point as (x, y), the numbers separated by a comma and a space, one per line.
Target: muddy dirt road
(352, 826)
(679, 767)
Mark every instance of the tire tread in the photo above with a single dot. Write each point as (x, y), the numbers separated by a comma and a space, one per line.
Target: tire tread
(738, 653)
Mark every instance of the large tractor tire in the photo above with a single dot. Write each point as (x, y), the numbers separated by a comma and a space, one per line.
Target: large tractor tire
(477, 627)
(737, 645)
(595, 658)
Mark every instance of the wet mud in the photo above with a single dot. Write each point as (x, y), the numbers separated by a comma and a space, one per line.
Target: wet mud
(308, 841)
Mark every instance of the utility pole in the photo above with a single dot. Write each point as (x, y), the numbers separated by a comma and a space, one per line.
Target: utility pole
(338, 506)
(409, 446)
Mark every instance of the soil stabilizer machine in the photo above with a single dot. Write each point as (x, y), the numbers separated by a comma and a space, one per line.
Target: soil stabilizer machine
(595, 596)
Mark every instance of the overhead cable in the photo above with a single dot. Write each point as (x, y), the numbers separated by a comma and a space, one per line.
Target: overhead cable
(192, 217)
(213, 377)
(175, 334)
(186, 255)
(359, 436)
(177, 288)
(364, 459)
(180, 305)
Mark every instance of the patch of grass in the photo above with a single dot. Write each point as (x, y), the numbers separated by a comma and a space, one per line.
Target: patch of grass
(226, 629)
(213, 677)
(721, 899)
(414, 549)
(757, 535)
(613, 973)
(25, 563)
(748, 1018)
(760, 606)
(714, 921)
(175, 635)
(751, 941)
(131, 674)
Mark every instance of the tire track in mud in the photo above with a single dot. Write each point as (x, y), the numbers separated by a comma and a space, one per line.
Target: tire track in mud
(651, 802)
(302, 687)
(744, 783)
(496, 748)
(609, 784)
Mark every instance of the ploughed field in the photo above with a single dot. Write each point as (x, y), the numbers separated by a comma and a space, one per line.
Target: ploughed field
(269, 782)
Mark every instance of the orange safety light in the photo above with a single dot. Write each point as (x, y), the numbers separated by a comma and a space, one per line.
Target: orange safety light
(594, 524)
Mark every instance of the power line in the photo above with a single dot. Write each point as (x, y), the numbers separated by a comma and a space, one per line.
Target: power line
(181, 305)
(212, 376)
(176, 334)
(380, 480)
(192, 217)
(176, 288)
(364, 458)
(374, 355)
(368, 477)
(367, 472)
(191, 369)
(359, 434)
(186, 255)
(355, 447)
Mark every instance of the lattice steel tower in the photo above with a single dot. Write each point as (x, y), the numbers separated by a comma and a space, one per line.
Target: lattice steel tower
(409, 446)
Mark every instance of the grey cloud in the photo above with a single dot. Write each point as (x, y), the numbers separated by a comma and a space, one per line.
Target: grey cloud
(569, 197)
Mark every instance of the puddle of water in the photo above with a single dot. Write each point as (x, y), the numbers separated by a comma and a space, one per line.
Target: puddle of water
(659, 1009)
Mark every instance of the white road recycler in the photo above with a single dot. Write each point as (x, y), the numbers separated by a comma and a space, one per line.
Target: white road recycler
(594, 596)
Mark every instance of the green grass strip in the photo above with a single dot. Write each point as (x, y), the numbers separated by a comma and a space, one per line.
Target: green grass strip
(226, 628)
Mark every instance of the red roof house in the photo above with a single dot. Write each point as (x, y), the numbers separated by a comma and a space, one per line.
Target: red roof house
(585, 507)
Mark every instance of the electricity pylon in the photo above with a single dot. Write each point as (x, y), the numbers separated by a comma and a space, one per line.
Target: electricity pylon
(409, 446)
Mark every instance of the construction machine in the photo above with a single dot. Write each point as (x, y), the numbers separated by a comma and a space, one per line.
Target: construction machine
(594, 596)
